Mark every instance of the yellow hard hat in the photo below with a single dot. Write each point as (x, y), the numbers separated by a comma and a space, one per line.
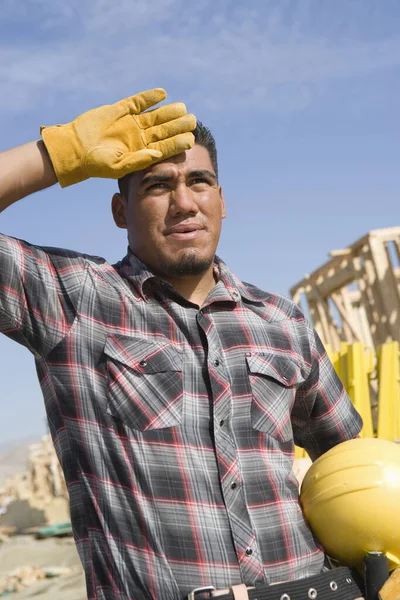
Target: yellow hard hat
(351, 499)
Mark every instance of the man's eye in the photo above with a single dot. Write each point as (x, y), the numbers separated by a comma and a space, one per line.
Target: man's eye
(200, 180)
(157, 186)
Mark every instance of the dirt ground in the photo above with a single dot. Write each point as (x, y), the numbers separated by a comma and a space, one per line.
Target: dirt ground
(49, 553)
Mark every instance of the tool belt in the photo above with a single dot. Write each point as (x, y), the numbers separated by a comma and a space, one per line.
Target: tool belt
(337, 584)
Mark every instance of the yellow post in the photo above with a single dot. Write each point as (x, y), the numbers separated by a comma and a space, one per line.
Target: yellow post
(389, 392)
(358, 385)
(396, 412)
(299, 452)
(333, 357)
(342, 366)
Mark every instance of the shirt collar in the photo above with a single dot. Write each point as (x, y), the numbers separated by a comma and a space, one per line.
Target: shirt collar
(139, 275)
(136, 272)
(237, 288)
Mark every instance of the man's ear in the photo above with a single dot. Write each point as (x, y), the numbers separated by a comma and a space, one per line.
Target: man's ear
(118, 205)
(223, 207)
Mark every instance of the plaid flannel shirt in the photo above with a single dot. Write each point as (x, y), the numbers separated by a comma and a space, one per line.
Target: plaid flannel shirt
(175, 426)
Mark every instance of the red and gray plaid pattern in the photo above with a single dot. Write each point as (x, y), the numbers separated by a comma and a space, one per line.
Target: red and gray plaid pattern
(175, 426)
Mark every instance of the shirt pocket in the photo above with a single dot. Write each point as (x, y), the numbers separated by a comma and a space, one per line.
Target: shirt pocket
(274, 380)
(145, 389)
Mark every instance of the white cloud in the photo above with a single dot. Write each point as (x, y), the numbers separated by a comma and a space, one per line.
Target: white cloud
(221, 53)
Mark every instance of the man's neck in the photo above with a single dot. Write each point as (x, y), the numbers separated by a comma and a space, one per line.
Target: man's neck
(195, 288)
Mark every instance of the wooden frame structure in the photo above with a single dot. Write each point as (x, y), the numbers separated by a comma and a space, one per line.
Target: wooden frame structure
(355, 296)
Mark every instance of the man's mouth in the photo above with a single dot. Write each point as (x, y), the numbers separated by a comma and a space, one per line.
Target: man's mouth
(182, 231)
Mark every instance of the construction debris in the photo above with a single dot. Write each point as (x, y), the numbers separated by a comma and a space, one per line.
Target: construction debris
(24, 577)
(5, 534)
(4, 538)
(57, 530)
(37, 496)
(7, 531)
(21, 578)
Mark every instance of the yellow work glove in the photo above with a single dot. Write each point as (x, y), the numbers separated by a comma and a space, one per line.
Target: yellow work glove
(114, 140)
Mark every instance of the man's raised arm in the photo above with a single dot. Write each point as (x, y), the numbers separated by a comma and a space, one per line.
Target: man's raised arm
(110, 141)
(37, 308)
(23, 171)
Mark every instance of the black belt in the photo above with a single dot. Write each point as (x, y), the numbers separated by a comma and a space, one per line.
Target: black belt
(336, 584)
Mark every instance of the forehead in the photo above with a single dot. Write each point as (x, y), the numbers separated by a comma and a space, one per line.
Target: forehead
(195, 159)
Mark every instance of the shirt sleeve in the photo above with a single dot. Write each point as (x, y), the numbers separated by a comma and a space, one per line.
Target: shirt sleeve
(36, 299)
(323, 414)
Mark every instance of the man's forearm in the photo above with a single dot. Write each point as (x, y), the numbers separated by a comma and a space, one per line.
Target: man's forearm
(23, 171)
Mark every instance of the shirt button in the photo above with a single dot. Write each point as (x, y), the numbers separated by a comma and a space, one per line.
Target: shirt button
(143, 363)
(221, 423)
(216, 362)
(249, 551)
(233, 486)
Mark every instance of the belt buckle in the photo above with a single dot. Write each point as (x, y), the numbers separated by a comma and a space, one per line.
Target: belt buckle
(201, 590)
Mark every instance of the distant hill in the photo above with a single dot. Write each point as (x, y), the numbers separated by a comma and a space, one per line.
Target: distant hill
(13, 456)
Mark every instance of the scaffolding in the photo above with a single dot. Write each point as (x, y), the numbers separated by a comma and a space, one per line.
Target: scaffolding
(355, 296)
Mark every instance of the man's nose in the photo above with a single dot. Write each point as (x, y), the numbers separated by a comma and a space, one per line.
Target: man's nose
(183, 201)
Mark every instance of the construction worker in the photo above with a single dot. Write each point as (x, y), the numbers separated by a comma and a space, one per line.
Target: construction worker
(174, 391)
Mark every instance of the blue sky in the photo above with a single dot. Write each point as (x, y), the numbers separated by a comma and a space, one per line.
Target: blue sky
(303, 97)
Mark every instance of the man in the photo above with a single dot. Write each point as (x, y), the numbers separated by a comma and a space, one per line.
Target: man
(174, 392)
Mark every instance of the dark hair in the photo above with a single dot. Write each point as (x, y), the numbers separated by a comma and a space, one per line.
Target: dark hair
(202, 137)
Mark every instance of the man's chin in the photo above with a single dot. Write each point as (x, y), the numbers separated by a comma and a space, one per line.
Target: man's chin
(187, 265)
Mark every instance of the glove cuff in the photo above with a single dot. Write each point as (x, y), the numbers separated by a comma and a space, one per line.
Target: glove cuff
(66, 153)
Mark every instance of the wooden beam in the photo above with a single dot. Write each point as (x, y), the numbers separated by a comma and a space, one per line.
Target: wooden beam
(332, 280)
(297, 296)
(329, 332)
(382, 334)
(345, 310)
(385, 234)
(372, 313)
(387, 287)
(342, 252)
(314, 314)
(360, 265)
(364, 326)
